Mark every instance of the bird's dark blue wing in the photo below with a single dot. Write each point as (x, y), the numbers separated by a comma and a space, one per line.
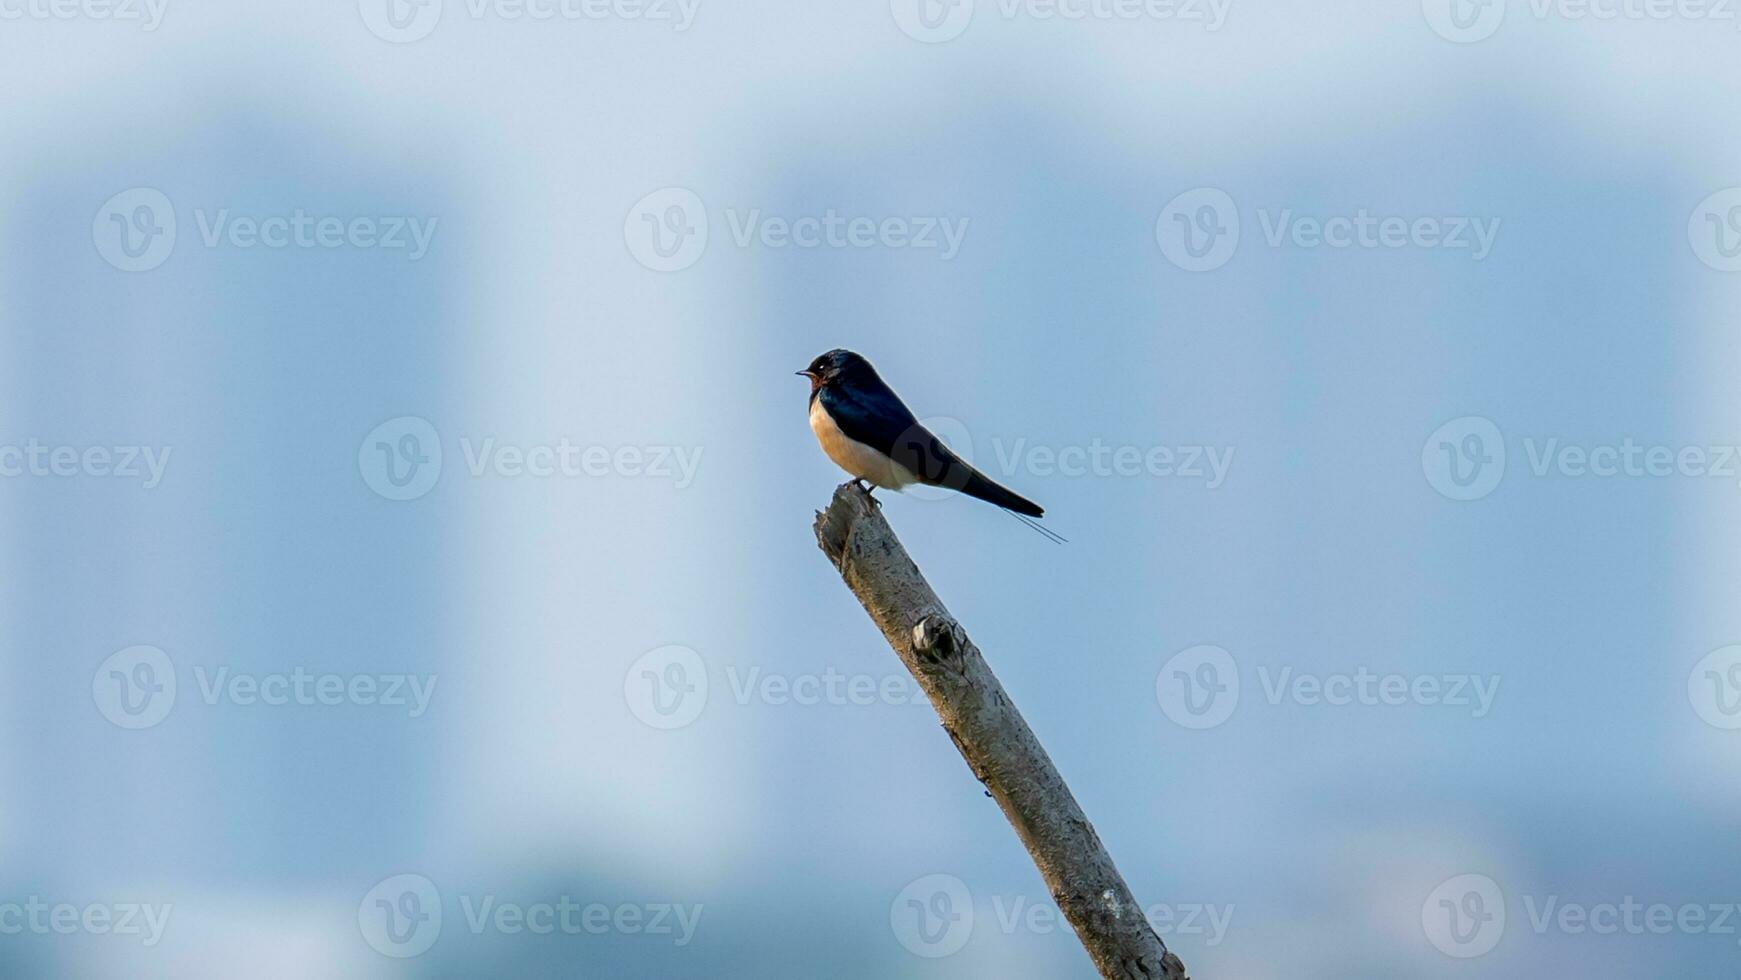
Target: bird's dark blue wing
(868, 411)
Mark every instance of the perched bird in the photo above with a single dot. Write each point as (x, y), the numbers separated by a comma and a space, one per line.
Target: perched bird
(865, 428)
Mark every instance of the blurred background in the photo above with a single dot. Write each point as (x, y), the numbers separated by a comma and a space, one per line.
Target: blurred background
(406, 495)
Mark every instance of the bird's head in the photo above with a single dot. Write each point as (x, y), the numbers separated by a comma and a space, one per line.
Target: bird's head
(836, 365)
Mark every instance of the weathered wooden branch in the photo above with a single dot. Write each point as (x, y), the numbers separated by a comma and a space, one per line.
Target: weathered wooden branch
(993, 738)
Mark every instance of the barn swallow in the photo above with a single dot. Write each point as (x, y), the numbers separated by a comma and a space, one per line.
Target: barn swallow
(870, 433)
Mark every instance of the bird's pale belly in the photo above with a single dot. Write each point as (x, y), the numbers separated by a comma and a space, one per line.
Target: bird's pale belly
(855, 457)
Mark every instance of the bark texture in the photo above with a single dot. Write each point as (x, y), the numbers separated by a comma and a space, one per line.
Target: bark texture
(994, 739)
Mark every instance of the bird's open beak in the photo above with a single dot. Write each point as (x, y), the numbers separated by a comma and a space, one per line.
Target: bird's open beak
(802, 374)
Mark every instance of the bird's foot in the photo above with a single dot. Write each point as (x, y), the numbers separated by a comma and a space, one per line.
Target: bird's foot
(868, 491)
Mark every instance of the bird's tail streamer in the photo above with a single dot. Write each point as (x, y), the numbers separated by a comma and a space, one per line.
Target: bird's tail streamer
(1045, 532)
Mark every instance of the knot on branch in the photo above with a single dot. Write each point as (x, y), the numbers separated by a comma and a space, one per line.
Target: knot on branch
(936, 637)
